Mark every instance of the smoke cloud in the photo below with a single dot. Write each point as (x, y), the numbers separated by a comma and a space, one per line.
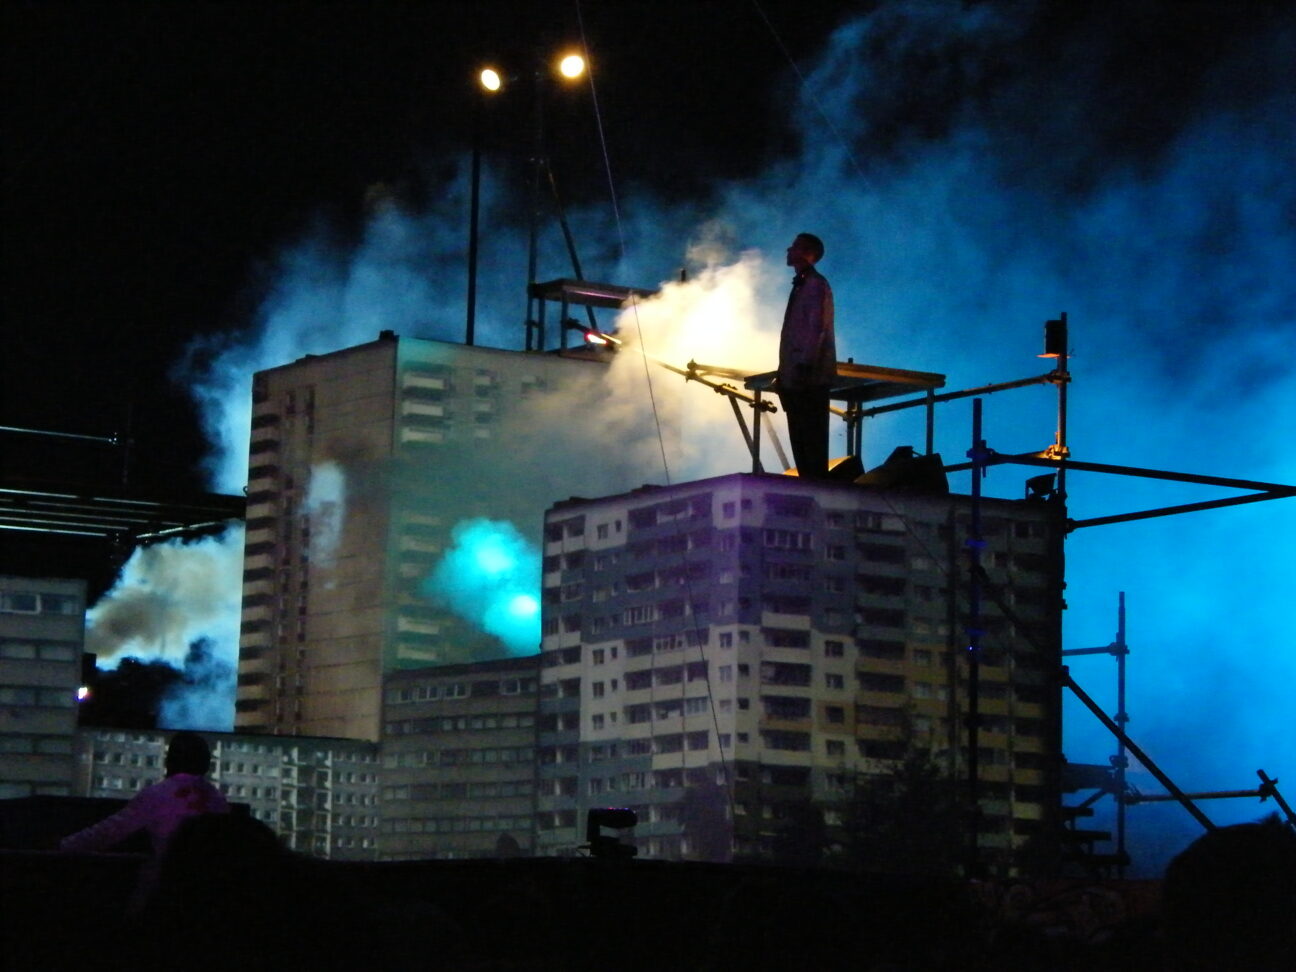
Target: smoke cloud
(326, 506)
(178, 604)
(203, 697)
(974, 170)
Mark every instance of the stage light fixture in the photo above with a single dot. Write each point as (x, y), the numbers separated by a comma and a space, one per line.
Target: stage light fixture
(1055, 338)
(614, 818)
(572, 66)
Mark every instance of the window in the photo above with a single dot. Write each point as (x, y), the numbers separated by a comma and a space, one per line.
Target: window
(638, 615)
(835, 747)
(785, 673)
(834, 649)
(638, 680)
(835, 714)
(787, 638)
(726, 673)
(787, 539)
(883, 617)
(785, 707)
(596, 656)
(883, 553)
(792, 741)
(880, 682)
(596, 689)
(596, 721)
(20, 602)
(834, 681)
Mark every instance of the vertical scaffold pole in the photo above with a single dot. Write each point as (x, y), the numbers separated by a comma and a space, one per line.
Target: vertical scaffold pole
(975, 544)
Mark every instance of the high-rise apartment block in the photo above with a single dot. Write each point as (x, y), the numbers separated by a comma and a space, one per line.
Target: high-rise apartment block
(363, 465)
(42, 634)
(720, 654)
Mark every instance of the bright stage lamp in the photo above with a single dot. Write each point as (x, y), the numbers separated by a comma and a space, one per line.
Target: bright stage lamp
(490, 79)
(572, 66)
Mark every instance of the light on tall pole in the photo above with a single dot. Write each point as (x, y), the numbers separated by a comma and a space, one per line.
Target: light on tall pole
(492, 81)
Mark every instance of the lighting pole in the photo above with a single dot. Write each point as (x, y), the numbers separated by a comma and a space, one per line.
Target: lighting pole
(474, 205)
(570, 67)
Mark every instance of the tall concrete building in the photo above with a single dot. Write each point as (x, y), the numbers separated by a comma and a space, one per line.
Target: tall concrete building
(366, 467)
(720, 655)
(42, 634)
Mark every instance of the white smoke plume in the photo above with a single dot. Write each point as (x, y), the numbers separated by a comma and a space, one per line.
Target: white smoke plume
(326, 506)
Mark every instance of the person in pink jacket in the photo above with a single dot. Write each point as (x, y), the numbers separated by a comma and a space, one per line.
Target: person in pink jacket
(159, 809)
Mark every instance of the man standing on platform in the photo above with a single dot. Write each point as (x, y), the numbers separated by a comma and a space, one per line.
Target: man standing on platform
(807, 358)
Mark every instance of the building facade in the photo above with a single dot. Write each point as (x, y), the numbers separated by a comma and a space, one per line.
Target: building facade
(458, 761)
(722, 654)
(42, 635)
(365, 466)
(319, 795)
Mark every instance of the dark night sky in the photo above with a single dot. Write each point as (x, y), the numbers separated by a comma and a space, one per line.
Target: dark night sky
(156, 155)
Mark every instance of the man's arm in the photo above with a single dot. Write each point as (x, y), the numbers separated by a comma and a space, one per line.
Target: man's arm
(111, 831)
(824, 362)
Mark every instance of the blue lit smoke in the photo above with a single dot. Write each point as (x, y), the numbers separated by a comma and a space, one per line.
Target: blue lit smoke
(178, 603)
(203, 697)
(1173, 258)
(490, 576)
(998, 174)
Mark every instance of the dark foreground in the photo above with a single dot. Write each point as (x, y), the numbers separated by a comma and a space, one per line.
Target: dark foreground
(67, 912)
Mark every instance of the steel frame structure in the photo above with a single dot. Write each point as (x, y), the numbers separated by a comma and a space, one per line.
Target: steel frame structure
(1057, 457)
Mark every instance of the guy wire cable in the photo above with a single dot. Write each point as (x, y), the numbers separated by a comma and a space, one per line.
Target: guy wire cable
(810, 94)
(661, 444)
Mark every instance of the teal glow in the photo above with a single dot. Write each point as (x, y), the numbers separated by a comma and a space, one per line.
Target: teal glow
(490, 576)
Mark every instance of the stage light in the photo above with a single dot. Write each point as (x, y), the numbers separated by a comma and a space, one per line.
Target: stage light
(1041, 487)
(592, 335)
(572, 66)
(1055, 338)
(614, 818)
(491, 80)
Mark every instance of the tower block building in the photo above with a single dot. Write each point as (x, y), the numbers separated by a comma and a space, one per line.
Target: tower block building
(362, 465)
(720, 655)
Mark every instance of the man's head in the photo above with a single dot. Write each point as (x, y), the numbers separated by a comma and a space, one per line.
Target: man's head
(806, 250)
(188, 753)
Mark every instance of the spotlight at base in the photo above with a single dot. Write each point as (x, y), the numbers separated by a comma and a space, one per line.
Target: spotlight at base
(490, 79)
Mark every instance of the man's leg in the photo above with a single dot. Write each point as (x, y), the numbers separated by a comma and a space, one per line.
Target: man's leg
(807, 418)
